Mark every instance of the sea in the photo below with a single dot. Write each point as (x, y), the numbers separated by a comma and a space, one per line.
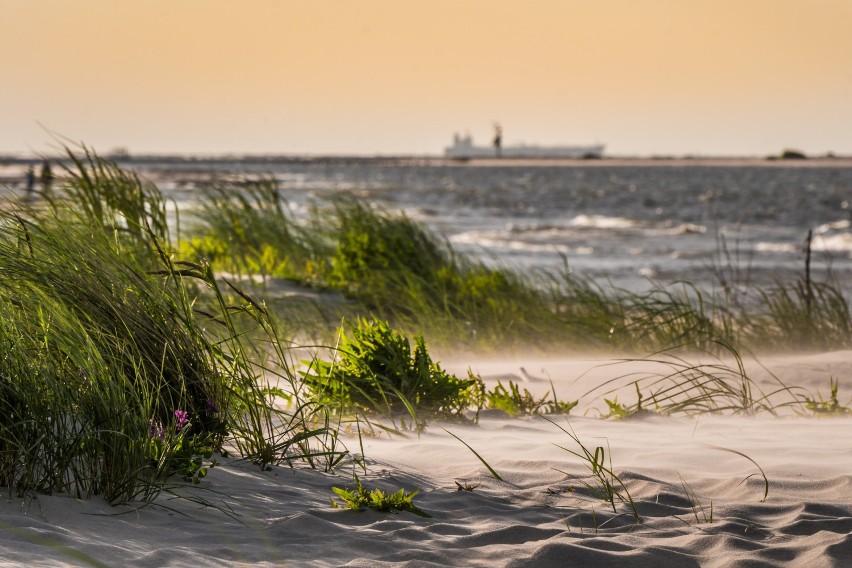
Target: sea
(626, 224)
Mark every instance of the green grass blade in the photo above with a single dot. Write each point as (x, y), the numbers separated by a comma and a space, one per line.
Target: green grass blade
(485, 463)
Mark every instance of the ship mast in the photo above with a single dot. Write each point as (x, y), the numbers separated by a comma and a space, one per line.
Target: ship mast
(498, 139)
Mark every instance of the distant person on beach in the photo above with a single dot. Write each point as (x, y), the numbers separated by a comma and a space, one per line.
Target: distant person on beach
(30, 184)
(46, 176)
(498, 140)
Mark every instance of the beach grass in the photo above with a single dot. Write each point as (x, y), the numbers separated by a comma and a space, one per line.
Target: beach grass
(605, 484)
(718, 384)
(123, 366)
(130, 356)
(387, 265)
(392, 268)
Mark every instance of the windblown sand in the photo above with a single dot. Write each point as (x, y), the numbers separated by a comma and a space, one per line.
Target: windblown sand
(542, 514)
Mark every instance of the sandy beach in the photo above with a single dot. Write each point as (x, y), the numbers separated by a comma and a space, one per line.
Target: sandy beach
(426, 284)
(696, 482)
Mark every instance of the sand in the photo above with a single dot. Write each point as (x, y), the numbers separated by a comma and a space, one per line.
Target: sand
(675, 468)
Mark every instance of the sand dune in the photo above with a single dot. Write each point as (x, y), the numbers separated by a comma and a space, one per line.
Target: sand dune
(678, 470)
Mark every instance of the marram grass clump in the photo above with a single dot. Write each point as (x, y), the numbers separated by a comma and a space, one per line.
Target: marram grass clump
(390, 267)
(122, 366)
(387, 265)
(96, 347)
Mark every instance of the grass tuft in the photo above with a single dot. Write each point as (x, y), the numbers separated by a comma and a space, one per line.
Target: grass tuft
(122, 365)
(606, 485)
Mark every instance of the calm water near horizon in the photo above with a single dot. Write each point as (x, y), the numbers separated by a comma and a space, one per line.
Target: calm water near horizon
(623, 225)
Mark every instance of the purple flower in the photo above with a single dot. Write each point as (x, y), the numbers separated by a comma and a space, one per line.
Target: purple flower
(182, 418)
(211, 406)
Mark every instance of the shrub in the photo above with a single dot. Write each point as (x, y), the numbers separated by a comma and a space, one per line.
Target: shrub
(377, 371)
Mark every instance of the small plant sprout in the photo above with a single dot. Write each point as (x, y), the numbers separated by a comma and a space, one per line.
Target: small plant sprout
(830, 407)
(695, 504)
(376, 499)
(466, 486)
(514, 402)
(620, 411)
(606, 485)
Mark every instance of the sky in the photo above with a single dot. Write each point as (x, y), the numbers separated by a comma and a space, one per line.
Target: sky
(391, 77)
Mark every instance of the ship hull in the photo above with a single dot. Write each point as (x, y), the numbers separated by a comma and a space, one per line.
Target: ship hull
(464, 149)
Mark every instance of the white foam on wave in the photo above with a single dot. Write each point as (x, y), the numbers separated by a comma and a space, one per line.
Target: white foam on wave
(536, 247)
(620, 223)
(494, 240)
(841, 242)
(834, 226)
(483, 238)
(540, 232)
(684, 229)
(777, 247)
(602, 222)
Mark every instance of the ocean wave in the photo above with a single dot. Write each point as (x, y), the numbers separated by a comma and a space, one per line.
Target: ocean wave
(537, 228)
(603, 222)
(648, 272)
(476, 238)
(686, 229)
(492, 240)
(668, 227)
(777, 247)
(841, 242)
(834, 226)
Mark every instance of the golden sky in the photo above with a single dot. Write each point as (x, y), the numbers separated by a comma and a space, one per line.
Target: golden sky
(401, 76)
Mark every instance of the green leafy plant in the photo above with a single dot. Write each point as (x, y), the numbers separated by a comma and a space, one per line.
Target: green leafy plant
(377, 370)
(616, 409)
(360, 498)
(832, 406)
(174, 450)
(621, 411)
(514, 402)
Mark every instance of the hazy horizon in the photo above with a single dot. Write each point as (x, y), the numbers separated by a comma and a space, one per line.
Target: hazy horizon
(387, 78)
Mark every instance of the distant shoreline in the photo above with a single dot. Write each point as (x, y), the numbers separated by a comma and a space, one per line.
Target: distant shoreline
(679, 162)
(441, 161)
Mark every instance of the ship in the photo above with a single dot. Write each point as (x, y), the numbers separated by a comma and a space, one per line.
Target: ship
(463, 148)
